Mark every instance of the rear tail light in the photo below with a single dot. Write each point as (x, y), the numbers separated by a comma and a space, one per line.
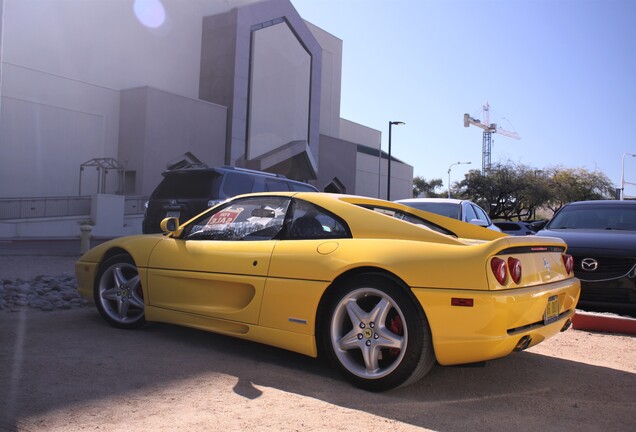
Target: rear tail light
(514, 266)
(568, 262)
(500, 270)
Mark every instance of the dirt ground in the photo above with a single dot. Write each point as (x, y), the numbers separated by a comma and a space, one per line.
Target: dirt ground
(70, 371)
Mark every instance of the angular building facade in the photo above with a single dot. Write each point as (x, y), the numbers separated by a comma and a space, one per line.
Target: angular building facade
(104, 95)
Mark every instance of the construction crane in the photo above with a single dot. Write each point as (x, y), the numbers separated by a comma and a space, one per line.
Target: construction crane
(489, 129)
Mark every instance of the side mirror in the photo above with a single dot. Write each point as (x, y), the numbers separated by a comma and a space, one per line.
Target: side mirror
(479, 222)
(538, 225)
(170, 225)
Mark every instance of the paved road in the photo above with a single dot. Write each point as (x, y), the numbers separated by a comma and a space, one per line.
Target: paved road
(69, 371)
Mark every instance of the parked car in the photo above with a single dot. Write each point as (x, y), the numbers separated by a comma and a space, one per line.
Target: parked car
(184, 193)
(519, 228)
(381, 289)
(601, 236)
(463, 210)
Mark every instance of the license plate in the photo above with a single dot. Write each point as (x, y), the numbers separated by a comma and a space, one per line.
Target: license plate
(552, 310)
(173, 214)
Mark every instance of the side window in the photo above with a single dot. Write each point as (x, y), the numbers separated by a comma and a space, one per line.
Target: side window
(309, 221)
(481, 214)
(300, 187)
(276, 186)
(470, 213)
(258, 218)
(237, 184)
(508, 226)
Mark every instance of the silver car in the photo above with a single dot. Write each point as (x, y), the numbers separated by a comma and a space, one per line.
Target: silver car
(463, 210)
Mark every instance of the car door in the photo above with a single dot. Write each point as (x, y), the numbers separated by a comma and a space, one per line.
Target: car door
(301, 267)
(218, 266)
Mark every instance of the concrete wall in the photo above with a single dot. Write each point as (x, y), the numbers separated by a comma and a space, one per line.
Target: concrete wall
(157, 127)
(220, 78)
(368, 183)
(63, 66)
(236, 52)
(401, 181)
(279, 90)
(49, 125)
(331, 75)
(360, 134)
(75, 87)
(114, 44)
(337, 159)
(61, 228)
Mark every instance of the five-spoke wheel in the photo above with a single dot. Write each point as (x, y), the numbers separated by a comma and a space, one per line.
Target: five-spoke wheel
(118, 294)
(377, 334)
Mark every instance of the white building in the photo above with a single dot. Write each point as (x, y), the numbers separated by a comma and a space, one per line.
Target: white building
(98, 96)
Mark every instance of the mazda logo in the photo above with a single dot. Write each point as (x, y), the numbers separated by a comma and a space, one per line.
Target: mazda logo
(589, 264)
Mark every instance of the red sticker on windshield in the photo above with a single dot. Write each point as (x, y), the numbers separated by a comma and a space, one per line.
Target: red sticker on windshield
(225, 217)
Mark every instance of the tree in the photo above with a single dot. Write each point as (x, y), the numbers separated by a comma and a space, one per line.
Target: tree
(515, 191)
(577, 184)
(422, 187)
(508, 191)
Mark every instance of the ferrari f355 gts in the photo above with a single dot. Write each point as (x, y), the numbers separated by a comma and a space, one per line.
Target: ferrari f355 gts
(381, 289)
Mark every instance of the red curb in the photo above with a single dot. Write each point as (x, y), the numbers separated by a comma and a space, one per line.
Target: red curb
(603, 323)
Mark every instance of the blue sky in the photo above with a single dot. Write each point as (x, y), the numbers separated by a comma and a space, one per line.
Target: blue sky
(560, 73)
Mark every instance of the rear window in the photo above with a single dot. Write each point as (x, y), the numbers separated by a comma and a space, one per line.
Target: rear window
(410, 218)
(450, 210)
(188, 185)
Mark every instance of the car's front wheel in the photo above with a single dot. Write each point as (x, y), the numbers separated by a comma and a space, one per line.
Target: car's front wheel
(377, 334)
(118, 294)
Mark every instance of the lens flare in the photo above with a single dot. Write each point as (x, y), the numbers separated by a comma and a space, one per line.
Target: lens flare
(150, 13)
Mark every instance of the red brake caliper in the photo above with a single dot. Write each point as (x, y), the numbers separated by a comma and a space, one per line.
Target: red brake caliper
(397, 327)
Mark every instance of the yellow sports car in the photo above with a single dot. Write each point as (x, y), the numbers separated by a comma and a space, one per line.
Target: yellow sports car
(383, 290)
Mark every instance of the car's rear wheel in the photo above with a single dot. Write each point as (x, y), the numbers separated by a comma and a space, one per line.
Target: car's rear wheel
(118, 294)
(377, 334)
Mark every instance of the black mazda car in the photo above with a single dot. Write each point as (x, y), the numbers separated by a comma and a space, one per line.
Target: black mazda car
(601, 236)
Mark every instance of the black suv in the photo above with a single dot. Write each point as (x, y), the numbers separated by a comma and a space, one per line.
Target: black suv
(184, 193)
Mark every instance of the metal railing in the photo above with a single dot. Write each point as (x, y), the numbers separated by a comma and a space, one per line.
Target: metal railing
(135, 205)
(27, 208)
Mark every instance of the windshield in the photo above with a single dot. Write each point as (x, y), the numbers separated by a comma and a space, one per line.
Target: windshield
(609, 217)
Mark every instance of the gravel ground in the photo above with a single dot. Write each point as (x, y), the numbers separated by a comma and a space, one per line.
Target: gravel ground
(46, 283)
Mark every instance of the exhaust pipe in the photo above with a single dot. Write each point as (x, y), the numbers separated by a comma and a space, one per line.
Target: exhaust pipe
(523, 343)
(567, 325)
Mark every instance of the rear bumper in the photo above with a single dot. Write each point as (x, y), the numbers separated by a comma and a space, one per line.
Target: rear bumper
(496, 322)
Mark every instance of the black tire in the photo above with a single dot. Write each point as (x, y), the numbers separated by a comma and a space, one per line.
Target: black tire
(376, 334)
(118, 294)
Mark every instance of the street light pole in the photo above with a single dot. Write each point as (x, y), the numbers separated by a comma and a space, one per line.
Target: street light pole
(388, 183)
(449, 170)
(379, 169)
(622, 174)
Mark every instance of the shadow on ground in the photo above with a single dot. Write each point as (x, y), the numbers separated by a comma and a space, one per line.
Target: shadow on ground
(60, 360)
